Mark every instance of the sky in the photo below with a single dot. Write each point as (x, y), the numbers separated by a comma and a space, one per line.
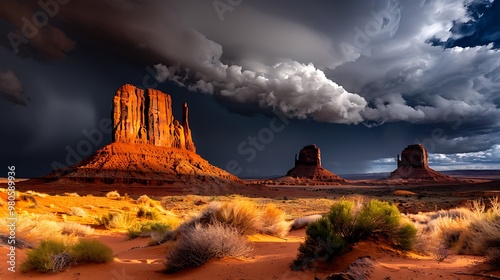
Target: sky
(360, 79)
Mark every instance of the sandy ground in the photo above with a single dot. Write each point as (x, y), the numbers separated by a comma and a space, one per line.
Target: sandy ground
(272, 256)
(270, 259)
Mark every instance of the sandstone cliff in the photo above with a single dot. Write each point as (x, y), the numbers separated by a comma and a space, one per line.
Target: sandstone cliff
(308, 166)
(149, 147)
(145, 117)
(413, 165)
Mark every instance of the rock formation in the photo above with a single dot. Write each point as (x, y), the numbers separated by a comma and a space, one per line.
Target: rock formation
(414, 165)
(149, 147)
(308, 166)
(145, 117)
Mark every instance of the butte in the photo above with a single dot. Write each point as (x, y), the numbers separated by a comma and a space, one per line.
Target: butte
(413, 165)
(308, 167)
(149, 147)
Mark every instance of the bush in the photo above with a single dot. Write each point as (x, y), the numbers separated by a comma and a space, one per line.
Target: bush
(348, 222)
(40, 258)
(90, 251)
(55, 256)
(147, 228)
(322, 243)
(243, 215)
(113, 195)
(115, 220)
(77, 211)
(148, 213)
(273, 221)
(203, 243)
(72, 228)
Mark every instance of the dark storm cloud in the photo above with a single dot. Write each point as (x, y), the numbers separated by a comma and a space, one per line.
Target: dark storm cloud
(32, 26)
(11, 88)
(341, 62)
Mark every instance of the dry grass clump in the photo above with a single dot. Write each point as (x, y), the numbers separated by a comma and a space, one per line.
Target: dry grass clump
(115, 220)
(245, 216)
(55, 256)
(29, 199)
(474, 231)
(202, 243)
(77, 211)
(42, 195)
(148, 213)
(30, 229)
(76, 229)
(113, 195)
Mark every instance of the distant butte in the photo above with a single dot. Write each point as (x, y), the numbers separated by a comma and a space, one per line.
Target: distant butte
(149, 147)
(308, 166)
(413, 165)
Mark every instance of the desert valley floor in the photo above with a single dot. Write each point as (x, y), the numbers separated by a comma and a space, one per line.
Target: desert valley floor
(271, 256)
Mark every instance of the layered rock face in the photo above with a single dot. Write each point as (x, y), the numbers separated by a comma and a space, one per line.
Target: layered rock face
(149, 147)
(308, 166)
(309, 155)
(414, 156)
(145, 117)
(414, 166)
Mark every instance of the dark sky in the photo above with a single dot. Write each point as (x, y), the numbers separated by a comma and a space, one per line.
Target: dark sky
(360, 79)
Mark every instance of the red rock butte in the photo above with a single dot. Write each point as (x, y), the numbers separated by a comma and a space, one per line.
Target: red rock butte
(308, 166)
(145, 117)
(413, 165)
(149, 147)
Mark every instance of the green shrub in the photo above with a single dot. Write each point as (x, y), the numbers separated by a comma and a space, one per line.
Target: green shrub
(406, 237)
(40, 258)
(348, 222)
(322, 243)
(147, 228)
(55, 256)
(90, 251)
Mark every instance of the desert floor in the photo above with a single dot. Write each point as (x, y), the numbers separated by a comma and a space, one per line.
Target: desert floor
(272, 256)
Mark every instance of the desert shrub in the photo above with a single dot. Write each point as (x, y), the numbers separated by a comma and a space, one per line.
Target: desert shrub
(37, 194)
(160, 237)
(55, 256)
(30, 199)
(40, 258)
(147, 228)
(241, 214)
(322, 243)
(303, 222)
(73, 194)
(115, 220)
(77, 211)
(406, 237)
(113, 195)
(348, 222)
(61, 262)
(90, 251)
(273, 221)
(201, 244)
(147, 213)
(144, 199)
(473, 231)
(32, 228)
(72, 228)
